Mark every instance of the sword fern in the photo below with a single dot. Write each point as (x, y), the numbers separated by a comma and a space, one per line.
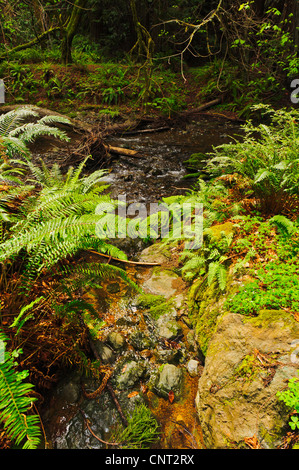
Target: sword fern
(20, 426)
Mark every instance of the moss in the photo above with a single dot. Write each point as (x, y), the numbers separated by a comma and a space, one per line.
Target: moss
(249, 368)
(204, 317)
(277, 432)
(266, 317)
(216, 230)
(156, 305)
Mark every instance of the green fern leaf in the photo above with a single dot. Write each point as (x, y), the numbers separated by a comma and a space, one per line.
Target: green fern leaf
(212, 271)
(22, 428)
(221, 276)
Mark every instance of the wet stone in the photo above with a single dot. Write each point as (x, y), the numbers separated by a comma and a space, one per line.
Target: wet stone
(113, 288)
(193, 367)
(130, 373)
(116, 340)
(167, 327)
(170, 380)
(168, 355)
(140, 341)
(105, 352)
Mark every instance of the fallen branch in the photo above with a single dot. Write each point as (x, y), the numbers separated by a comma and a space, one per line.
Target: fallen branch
(144, 131)
(94, 435)
(121, 151)
(29, 44)
(141, 263)
(202, 107)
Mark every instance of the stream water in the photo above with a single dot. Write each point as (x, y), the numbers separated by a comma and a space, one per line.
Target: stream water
(158, 171)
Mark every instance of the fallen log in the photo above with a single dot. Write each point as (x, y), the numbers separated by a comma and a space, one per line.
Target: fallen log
(202, 107)
(121, 151)
(145, 131)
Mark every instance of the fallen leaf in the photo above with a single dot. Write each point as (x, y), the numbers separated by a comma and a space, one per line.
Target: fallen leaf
(171, 396)
(252, 442)
(133, 394)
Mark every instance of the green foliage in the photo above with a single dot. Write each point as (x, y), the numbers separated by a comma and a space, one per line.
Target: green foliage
(275, 283)
(15, 136)
(291, 398)
(155, 305)
(20, 426)
(59, 220)
(268, 165)
(21, 319)
(142, 430)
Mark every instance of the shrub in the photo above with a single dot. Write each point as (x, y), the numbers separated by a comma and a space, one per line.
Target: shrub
(266, 160)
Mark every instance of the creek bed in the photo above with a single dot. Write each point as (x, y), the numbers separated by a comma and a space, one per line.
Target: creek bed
(158, 172)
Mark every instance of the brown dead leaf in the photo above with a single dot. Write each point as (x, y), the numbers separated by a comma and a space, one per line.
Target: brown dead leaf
(133, 394)
(252, 442)
(171, 396)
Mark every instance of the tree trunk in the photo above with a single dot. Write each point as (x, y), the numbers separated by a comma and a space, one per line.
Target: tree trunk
(259, 7)
(69, 31)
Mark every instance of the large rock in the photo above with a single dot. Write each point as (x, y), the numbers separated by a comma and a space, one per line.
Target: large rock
(162, 282)
(248, 361)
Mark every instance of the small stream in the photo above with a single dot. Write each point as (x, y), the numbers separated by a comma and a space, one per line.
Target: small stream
(158, 172)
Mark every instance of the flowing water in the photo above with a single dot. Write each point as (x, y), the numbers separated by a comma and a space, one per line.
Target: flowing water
(160, 170)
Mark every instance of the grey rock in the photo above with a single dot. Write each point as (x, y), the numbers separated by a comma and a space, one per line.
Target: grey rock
(167, 327)
(170, 379)
(116, 340)
(113, 287)
(105, 352)
(140, 340)
(130, 373)
(193, 367)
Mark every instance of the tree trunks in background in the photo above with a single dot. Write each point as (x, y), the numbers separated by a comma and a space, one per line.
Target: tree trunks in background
(69, 30)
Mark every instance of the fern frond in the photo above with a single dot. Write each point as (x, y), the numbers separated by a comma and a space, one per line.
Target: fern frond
(221, 277)
(217, 272)
(284, 224)
(13, 119)
(53, 119)
(101, 271)
(29, 132)
(212, 272)
(15, 146)
(21, 319)
(15, 404)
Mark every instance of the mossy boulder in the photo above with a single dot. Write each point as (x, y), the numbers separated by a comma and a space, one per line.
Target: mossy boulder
(217, 231)
(248, 361)
(169, 379)
(129, 373)
(167, 327)
(163, 282)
